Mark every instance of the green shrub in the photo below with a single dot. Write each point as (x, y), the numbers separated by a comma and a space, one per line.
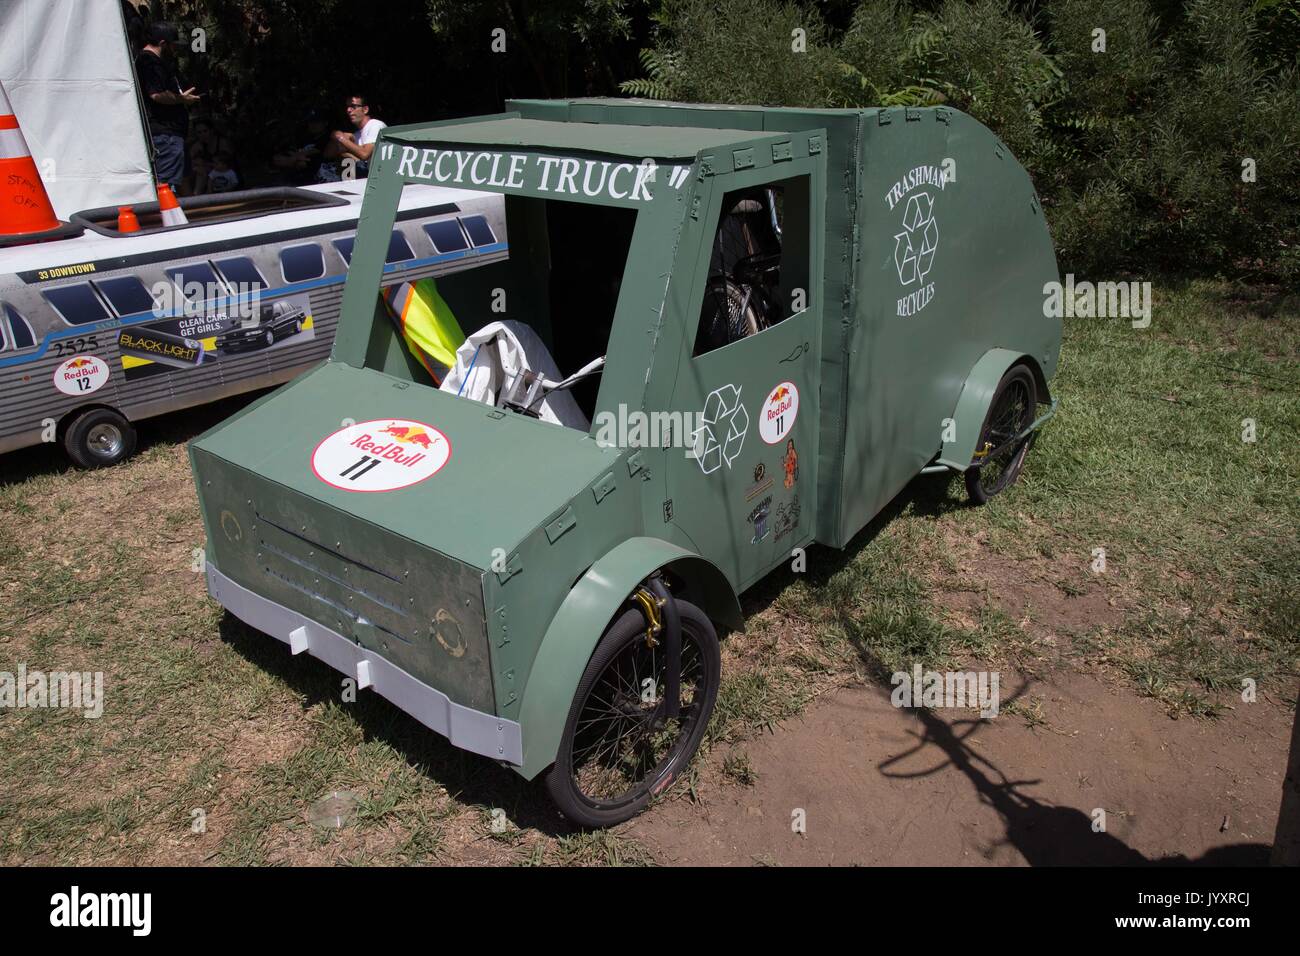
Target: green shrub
(1137, 149)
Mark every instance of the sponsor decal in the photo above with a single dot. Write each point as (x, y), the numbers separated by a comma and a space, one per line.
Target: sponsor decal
(758, 518)
(162, 347)
(81, 375)
(790, 463)
(203, 333)
(761, 482)
(381, 455)
(776, 417)
(723, 427)
(787, 517)
(915, 247)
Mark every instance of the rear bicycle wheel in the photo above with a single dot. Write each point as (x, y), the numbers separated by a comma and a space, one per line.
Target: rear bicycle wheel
(999, 461)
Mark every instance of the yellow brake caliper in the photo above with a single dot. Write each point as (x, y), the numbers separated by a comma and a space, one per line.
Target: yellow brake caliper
(650, 607)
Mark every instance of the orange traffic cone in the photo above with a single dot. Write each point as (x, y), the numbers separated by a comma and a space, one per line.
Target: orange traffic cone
(126, 220)
(172, 213)
(24, 205)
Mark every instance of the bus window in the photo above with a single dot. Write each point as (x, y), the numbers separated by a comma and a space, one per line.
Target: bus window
(23, 337)
(126, 294)
(446, 235)
(399, 250)
(77, 304)
(301, 263)
(241, 271)
(480, 233)
(197, 281)
(344, 246)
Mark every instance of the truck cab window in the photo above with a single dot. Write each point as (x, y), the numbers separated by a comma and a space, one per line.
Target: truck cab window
(757, 267)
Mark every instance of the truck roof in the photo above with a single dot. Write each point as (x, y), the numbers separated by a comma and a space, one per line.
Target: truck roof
(673, 142)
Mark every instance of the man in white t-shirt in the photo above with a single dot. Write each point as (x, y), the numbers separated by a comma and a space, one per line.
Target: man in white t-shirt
(361, 144)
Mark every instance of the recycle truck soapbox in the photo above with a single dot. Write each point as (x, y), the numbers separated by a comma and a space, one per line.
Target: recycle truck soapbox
(719, 334)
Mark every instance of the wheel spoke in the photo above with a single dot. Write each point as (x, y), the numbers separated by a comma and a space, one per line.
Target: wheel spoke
(620, 741)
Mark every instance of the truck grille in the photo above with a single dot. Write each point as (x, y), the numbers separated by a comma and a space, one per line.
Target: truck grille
(417, 607)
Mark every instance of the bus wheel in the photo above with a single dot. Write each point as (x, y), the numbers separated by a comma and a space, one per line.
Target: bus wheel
(1011, 412)
(99, 437)
(619, 750)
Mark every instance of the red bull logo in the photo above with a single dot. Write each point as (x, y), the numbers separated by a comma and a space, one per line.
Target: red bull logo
(409, 435)
(779, 403)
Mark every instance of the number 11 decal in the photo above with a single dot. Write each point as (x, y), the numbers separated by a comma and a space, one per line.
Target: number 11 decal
(778, 412)
(352, 474)
(410, 452)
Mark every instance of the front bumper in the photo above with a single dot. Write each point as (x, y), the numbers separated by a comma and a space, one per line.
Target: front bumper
(469, 729)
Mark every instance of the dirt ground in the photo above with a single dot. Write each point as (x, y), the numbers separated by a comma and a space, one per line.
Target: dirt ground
(883, 786)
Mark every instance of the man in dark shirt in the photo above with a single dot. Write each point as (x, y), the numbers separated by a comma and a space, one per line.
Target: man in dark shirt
(165, 102)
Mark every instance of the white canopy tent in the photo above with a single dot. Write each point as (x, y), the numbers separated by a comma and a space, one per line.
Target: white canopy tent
(67, 67)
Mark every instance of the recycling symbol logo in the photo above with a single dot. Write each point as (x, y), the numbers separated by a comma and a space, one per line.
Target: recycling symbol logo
(723, 427)
(915, 246)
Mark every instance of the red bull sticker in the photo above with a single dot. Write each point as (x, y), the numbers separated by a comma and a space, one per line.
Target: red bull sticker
(81, 375)
(380, 455)
(776, 417)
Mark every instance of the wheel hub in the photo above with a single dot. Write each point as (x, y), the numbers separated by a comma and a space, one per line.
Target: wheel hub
(104, 440)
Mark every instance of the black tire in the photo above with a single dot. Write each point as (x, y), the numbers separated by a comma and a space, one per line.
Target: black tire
(269, 338)
(99, 437)
(1014, 405)
(618, 662)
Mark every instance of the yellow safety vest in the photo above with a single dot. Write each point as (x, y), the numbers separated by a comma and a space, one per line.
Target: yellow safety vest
(426, 324)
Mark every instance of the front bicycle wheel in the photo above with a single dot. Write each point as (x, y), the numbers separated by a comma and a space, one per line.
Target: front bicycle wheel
(619, 750)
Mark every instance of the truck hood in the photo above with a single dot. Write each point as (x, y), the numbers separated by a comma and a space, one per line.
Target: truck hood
(480, 479)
